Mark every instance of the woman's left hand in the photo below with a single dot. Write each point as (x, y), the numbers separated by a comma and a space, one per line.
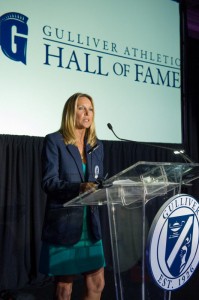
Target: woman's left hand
(86, 186)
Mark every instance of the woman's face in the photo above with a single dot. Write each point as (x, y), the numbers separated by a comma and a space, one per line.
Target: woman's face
(84, 113)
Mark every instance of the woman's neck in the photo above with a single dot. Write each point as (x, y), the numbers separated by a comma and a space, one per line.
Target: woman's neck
(80, 134)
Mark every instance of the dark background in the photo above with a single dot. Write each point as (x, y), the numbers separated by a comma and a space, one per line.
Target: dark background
(22, 201)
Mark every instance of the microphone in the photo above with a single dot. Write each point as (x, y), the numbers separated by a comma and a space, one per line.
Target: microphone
(101, 182)
(93, 148)
(180, 152)
(111, 128)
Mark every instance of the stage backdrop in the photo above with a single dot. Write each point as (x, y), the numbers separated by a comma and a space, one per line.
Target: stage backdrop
(126, 54)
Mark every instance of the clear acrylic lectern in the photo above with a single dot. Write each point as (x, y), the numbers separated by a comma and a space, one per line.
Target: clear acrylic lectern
(133, 197)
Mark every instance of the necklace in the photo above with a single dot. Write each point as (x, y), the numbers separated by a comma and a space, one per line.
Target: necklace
(81, 149)
(83, 157)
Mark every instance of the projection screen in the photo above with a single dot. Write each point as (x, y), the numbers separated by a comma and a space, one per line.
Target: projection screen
(125, 54)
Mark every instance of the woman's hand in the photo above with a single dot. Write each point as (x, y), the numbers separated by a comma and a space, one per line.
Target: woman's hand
(87, 186)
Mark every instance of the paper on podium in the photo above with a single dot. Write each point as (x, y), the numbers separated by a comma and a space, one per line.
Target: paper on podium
(125, 182)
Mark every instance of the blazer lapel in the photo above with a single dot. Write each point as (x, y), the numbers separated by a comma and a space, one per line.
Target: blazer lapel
(92, 164)
(77, 158)
(89, 163)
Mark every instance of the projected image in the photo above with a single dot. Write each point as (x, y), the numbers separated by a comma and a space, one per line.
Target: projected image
(125, 55)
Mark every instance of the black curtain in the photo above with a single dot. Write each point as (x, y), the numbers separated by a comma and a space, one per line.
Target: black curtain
(22, 205)
(120, 155)
(192, 97)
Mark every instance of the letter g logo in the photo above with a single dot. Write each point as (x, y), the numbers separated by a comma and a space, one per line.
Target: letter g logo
(13, 36)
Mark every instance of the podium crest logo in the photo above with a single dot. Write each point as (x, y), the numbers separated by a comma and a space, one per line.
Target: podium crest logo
(173, 242)
(13, 33)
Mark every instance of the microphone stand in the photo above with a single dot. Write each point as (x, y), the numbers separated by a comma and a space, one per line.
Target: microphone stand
(180, 152)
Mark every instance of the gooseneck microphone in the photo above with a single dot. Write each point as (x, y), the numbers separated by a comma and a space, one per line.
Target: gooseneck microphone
(111, 128)
(180, 152)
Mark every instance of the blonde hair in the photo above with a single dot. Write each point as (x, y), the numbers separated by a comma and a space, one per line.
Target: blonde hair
(67, 128)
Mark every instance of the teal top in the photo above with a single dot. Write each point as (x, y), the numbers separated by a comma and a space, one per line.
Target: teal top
(81, 257)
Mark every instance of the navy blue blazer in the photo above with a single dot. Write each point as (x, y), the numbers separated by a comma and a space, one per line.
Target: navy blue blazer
(61, 179)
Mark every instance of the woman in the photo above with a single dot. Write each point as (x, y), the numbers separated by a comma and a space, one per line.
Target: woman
(72, 236)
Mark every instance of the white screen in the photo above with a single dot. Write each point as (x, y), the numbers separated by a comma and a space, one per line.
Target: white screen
(125, 54)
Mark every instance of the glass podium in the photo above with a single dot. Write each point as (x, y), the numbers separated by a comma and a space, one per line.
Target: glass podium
(133, 198)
